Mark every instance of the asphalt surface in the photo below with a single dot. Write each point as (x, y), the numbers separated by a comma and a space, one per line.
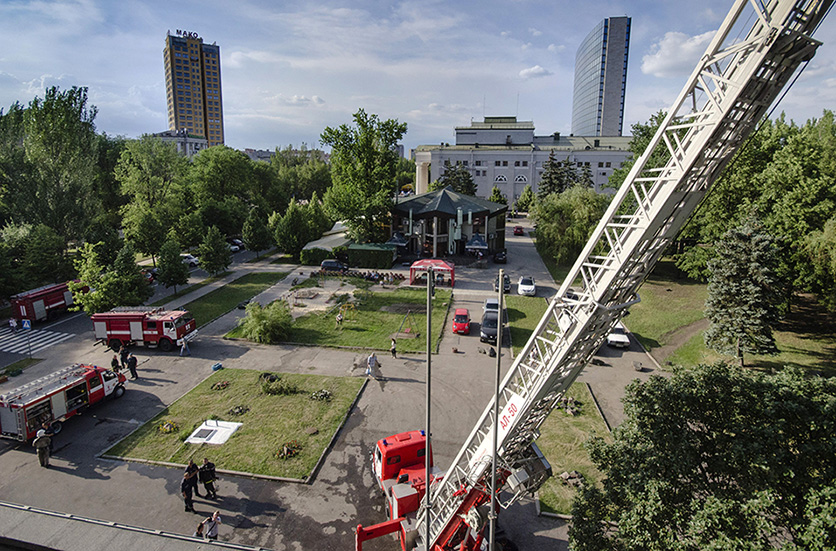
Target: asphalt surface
(275, 515)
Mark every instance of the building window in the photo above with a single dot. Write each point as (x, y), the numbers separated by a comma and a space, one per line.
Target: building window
(504, 163)
(516, 163)
(600, 164)
(525, 163)
(500, 178)
(521, 179)
(477, 163)
(609, 165)
(497, 163)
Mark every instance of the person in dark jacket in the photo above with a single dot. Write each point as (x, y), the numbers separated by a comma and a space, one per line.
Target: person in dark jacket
(206, 474)
(123, 356)
(191, 472)
(186, 492)
(41, 444)
(132, 361)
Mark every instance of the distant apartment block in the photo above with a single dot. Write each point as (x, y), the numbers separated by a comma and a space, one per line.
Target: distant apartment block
(193, 86)
(187, 144)
(601, 79)
(504, 152)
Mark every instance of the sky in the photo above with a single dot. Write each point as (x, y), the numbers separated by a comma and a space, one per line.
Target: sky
(290, 69)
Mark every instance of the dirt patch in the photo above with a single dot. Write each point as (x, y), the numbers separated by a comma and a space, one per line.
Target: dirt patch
(404, 307)
(676, 339)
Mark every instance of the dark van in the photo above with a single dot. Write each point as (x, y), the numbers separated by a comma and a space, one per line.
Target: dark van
(332, 265)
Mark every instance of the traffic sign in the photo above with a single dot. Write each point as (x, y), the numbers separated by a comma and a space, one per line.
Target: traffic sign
(27, 324)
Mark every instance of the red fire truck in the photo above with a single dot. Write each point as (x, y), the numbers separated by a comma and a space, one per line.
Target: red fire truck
(42, 303)
(151, 327)
(55, 398)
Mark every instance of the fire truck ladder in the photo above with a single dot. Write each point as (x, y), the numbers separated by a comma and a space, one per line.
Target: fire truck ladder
(754, 54)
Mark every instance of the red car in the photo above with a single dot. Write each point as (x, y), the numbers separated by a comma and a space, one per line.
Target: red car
(518, 230)
(461, 321)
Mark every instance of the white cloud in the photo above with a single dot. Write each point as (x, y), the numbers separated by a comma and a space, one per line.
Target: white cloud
(676, 54)
(555, 49)
(534, 72)
(534, 32)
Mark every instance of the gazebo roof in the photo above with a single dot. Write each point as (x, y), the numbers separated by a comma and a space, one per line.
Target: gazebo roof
(446, 202)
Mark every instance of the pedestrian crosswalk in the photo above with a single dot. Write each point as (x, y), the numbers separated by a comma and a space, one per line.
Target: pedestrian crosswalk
(19, 342)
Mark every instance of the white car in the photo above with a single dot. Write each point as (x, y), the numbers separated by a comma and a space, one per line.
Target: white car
(618, 337)
(192, 261)
(526, 286)
(491, 305)
(233, 248)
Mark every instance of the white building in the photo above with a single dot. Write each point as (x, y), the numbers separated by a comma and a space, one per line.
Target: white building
(187, 144)
(504, 152)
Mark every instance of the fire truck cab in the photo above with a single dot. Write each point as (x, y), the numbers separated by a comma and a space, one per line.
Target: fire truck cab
(153, 328)
(55, 398)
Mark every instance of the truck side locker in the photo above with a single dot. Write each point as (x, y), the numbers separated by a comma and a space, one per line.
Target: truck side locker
(59, 406)
(100, 329)
(40, 309)
(68, 298)
(136, 331)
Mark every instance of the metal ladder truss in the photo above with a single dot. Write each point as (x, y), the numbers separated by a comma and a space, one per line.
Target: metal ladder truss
(751, 58)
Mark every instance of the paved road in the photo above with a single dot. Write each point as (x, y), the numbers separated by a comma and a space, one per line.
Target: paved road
(283, 516)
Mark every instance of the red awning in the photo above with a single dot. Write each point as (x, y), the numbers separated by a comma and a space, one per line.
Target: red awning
(420, 267)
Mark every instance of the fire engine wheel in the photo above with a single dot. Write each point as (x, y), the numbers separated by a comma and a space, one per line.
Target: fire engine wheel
(165, 345)
(115, 344)
(56, 427)
(119, 391)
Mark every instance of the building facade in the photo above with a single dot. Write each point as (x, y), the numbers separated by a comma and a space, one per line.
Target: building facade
(505, 153)
(187, 144)
(601, 79)
(193, 86)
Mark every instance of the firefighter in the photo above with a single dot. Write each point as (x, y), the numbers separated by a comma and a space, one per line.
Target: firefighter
(206, 474)
(123, 355)
(132, 366)
(42, 443)
(186, 492)
(115, 366)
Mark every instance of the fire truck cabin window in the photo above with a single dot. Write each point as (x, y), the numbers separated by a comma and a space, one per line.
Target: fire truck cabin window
(151, 325)
(108, 375)
(95, 383)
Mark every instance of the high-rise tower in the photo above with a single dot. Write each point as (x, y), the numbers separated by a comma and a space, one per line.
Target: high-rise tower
(601, 79)
(193, 86)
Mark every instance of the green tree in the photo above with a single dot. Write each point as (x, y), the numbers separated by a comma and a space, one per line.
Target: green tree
(526, 200)
(363, 169)
(131, 287)
(145, 230)
(301, 173)
(557, 177)
(318, 221)
(497, 196)
(171, 271)
(256, 234)
(820, 246)
(714, 457)
(227, 214)
(190, 229)
(566, 220)
(59, 145)
(101, 288)
(221, 172)
(44, 259)
(102, 231)
(744, 293)
(290, 232)
(457, 177)
(406, 174)
(215, 256)
(268, 325)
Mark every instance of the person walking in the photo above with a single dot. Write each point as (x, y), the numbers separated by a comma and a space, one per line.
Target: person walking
(393, 348)
(191, 472)
(186, 492)
(206, 474)
(123, 355)
(211, 524)
(41, 444)
(115, 366)
(13, 325)
(132, 366)
(184, 348)
(371, 364)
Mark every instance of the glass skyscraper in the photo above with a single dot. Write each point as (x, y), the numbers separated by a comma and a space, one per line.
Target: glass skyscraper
(193, 86)
(601, 79)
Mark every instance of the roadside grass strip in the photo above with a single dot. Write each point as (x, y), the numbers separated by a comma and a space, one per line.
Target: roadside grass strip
(222, 300)
(524, 313)
(294, 423)
(561, 440)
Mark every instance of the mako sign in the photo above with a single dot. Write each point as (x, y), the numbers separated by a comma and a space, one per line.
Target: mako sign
(188, 34)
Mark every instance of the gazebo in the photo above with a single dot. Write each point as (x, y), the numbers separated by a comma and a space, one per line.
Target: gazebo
(419, 268)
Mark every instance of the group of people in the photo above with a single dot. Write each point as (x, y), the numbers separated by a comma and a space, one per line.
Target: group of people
(377, 277)
(124, 360)
(194, 474)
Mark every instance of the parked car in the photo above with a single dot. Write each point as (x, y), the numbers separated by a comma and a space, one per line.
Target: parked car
(506, 283)
(332, 265)
(518, 230)
(618, 337)
(461, 321)
(526, 286)
(489, 327)
(150, 274)
(491, 305)
(500, 258)
(237, 242)
(192, 261)
(233, 248)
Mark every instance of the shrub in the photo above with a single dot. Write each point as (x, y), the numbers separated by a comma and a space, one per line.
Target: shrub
(278, 388)
(268, 325)
(314, 257)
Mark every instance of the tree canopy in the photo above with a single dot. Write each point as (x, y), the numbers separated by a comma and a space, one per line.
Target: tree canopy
(457, 177)
(364, 162)
(717, 458)
(566, 220)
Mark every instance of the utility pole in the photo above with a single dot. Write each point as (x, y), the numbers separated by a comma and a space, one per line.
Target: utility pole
(499, 326)
(427, 454)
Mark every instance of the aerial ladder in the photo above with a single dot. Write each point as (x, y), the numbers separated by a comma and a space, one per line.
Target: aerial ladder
(752, 57)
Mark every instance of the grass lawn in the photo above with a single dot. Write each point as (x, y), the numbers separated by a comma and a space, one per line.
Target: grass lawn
(561, 440)
(12, 370)
(377, 316)
(524, 313)
(186, 289)
(270, 422)
(221, 301)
